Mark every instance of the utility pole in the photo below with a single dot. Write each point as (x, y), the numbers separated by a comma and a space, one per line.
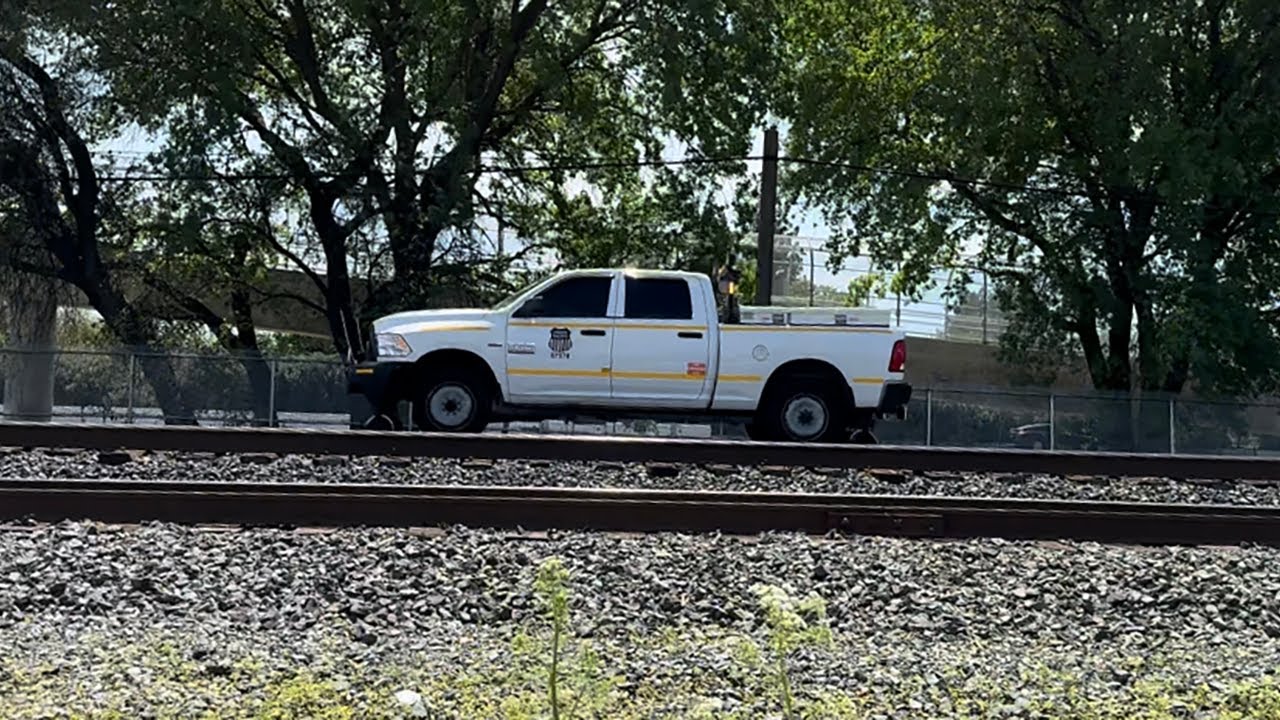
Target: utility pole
(767, 218)
(812, 265)
(984, 307)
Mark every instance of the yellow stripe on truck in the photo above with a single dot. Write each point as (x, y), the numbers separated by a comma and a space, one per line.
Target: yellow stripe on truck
(446, 327)
(548, 372)
(626, 375)
(622, 325)
(680, 328)
(867, 380)
(569, 326)
(800, 328)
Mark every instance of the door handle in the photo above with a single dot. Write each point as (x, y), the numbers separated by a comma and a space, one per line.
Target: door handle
(593, 333)
(691, 335)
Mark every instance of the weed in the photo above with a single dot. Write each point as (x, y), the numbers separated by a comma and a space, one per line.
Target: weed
(792, 624)
(550, 674)
(552, 588)
(570, 673)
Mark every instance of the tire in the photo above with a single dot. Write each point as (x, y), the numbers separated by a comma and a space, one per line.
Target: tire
(804, 410)
(455, 400)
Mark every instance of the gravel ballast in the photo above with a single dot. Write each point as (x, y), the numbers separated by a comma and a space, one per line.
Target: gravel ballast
(673, 475)
(165, 621)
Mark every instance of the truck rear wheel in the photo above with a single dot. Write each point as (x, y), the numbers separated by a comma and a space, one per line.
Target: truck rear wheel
(455, 401)
(803, 410)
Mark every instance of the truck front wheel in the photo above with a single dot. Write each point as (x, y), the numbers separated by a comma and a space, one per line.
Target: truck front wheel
(803, 411)
(454, 401)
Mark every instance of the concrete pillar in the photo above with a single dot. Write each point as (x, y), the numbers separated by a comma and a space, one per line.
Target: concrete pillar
(31, 324)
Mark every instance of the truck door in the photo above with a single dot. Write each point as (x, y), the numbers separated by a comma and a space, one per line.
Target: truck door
(662, 346)
(558, 343)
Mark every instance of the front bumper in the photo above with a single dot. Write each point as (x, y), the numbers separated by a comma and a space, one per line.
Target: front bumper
(893, 400)
(370, 388)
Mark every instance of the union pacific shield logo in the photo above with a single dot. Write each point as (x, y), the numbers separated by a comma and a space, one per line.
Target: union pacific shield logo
(560, 343)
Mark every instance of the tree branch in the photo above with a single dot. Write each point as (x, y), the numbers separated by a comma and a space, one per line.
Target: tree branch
(84, 202)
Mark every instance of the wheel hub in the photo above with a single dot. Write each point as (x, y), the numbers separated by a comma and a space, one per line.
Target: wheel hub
(805, 417)
(451, 405)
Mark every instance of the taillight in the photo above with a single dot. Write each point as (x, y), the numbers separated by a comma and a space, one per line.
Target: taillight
(898, 358)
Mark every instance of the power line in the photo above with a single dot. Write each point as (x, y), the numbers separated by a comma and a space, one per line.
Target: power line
(1011, 187)
(583, 165)
(939, 177)
(577, 165)
(563, 166)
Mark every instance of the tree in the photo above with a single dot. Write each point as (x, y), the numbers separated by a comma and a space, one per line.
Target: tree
(28, 309)
(48, 171)
(670, 218)
(205, 249)
(399, 120)
(1149, 243)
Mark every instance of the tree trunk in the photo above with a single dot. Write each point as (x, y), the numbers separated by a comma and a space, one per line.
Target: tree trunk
(339, 303)
(32, 319)
(125, 322)
(159, 373)
(412, 234)
(258, 370)
(256, 367)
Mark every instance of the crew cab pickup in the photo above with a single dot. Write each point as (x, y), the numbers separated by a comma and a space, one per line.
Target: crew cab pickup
(636, 343)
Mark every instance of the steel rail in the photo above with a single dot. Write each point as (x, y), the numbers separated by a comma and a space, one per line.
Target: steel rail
(577, 448)
(257, 504)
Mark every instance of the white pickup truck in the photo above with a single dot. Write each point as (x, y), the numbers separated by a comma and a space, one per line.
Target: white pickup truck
(616, 344)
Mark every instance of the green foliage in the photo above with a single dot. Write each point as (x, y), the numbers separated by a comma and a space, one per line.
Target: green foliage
(157, 678)
(553, 675)
(551, 588)
(792, 624)
(304, 697)
(396, 124)
(1154, 256)
(674, 218)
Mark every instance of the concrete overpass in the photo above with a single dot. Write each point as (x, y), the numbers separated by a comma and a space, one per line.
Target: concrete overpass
(287, 304)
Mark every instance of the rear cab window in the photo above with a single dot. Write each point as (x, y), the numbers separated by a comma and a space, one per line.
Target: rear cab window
(658, 299)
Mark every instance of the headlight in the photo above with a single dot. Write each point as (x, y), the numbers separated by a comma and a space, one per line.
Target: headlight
(392, 345)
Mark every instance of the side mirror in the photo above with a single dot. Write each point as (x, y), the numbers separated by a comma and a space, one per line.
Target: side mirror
(532, 307)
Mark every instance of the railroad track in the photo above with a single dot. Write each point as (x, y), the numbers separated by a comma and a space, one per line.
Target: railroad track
(311, 505)
(577, 448)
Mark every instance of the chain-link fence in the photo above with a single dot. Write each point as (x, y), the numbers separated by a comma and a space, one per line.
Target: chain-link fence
(111, 387)
(1086, 421)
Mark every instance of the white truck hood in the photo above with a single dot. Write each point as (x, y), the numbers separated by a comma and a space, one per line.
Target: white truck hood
(416, 319)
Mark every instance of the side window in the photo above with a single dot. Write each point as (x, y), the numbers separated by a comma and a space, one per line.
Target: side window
(584, 297)
(658, 299)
